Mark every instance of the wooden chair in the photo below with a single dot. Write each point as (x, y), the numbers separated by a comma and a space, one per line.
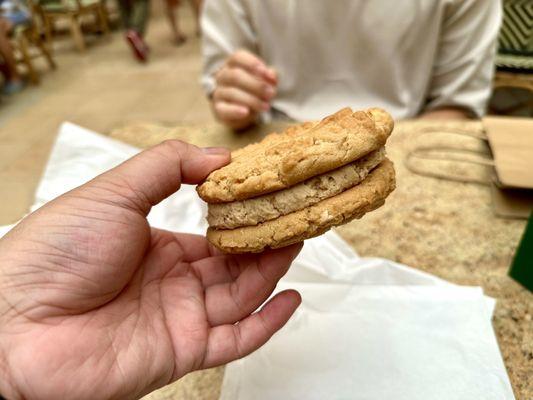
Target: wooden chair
(72, 10)
(28, 45)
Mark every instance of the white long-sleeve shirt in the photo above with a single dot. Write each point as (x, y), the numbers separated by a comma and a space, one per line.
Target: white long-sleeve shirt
(403, 55)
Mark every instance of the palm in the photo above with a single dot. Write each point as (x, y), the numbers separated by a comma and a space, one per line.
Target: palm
(114, 309)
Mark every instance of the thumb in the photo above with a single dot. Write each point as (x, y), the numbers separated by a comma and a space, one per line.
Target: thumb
(154, 174)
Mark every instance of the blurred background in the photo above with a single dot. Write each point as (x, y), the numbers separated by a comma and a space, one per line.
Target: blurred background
(101, 87)
(97, 84)
(73, 64)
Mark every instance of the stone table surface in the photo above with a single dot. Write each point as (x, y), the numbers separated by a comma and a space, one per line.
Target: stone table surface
(442, 227)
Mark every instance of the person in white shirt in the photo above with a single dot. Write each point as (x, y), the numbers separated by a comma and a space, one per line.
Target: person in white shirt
(305, 59)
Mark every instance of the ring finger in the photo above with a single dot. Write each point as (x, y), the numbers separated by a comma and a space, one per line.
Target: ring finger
(241, 97)
(238, 77)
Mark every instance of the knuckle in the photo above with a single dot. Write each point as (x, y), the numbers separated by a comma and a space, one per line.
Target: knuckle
(238, 342)
(253, 85)
(171, 145)
(219, 109)
(232, 93)
(232, 75)
(222, 73)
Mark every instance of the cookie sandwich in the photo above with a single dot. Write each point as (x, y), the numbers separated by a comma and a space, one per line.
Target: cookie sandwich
(298, 184)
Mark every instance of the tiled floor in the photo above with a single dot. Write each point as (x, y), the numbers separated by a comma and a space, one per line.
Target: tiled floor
(102, 89)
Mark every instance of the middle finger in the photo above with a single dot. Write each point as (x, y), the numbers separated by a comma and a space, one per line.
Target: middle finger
(238, 96)
(233, 301)
(242, 79)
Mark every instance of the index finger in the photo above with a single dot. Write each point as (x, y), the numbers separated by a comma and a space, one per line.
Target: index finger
(247, 60)
(252, 63)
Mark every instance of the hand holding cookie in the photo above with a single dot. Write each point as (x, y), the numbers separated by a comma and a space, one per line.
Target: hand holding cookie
(244, 87)
(120, 308)
(298, 184)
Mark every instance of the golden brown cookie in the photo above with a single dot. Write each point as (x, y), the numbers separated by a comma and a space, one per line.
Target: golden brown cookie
(310, 221)
(272, 138)
(289, 158)
(269, 206)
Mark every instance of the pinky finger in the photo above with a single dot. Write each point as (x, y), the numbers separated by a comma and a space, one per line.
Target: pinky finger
(230, 112)
(230, 342)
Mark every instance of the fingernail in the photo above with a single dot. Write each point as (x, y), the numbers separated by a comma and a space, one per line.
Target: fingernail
(215, 151)
(269, 91)
(270, 73)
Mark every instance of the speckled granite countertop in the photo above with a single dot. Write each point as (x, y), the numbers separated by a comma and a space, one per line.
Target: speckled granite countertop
(445, 228)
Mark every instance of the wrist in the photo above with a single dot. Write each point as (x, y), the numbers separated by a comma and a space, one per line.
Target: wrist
(6, 389)
(239, 125)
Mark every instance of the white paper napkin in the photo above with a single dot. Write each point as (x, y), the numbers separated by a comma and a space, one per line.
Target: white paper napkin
(377, 342)
(367, 328)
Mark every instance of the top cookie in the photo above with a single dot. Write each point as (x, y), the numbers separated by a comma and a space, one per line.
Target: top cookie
(281, 160)
(271, 138)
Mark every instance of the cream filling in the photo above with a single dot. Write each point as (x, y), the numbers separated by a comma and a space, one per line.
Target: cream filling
(273, 205)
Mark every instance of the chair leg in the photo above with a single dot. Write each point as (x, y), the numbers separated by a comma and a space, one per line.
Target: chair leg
(77, 35)
(24, 49)
(39, 43)
(102, 17)
(48, 25)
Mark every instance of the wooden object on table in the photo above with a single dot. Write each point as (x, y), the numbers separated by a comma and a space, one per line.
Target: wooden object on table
(73, 11)
(513, 79)
(512, 203)
(445, 228)
(511, 141)
(511, 161)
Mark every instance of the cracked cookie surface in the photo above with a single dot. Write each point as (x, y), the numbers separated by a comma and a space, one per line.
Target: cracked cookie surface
(283, 160)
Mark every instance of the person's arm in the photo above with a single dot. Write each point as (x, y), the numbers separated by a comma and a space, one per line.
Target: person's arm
(239, 84)
(464, 62)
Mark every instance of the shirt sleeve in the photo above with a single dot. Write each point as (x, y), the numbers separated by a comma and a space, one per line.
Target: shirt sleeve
(464, 63)
(226, 27)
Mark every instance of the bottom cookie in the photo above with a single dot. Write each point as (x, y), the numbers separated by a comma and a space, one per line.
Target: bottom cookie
(311, 221)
